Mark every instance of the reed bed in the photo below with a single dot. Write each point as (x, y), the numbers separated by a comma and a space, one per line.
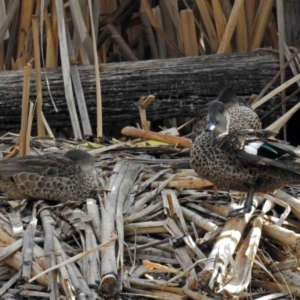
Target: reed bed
(155, 231)
(111, 30)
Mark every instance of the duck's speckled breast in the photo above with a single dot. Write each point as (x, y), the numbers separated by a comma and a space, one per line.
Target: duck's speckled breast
(212, 164)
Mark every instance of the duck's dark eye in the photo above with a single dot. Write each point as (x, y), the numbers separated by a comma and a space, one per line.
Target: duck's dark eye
(221, 110)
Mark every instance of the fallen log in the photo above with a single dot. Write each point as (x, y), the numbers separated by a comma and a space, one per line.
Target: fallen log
(181, 86)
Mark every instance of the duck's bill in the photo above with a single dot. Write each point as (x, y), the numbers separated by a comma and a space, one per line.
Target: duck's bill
(211, 125)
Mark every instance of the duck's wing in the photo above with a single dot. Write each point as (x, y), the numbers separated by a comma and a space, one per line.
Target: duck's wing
(201, 115)
(49, 165)
(232, 142)
(199, 123)
(261, 148)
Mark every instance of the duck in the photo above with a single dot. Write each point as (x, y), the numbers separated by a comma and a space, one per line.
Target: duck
(248, 161)
(241, 113)
(57, 177)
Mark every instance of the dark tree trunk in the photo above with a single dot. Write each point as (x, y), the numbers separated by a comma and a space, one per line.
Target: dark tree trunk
(181, 86)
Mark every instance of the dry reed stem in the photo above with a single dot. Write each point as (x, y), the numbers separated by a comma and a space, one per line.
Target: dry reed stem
(93, 212)
(153, 294)
(172, 7)
(161, 45)
(230, 27)
(3, 17)
(241, 272)
(38, 77)
(250, 15)
(49, 131)
(7, 19)
(112, 220)
(226, 7)
(8, 250)
(282, 236)
(81, 30)
(66, 69)
(199, 221)
(24, 116)
(134, 216)
(221, 254)
(276, 287)
(220, 21)
(184, 253)
(291, 61)
(276, 91)
(263, 91)
(147, 284)
(142, 104)
(28, 246)
(281, 42)
(54, 26)
(189, 32)
(148, 32)
(209, 8)
(260, 24)
(151, 265)
(64, 277)
(74, 258)
(29, 126)
(118, 40)
(150, 135)
(91, 263)
(158, 29)
(16, 262)
(211, 32)
(145, 228)
(51, 53)
(289, 200)
(25, 23)
(279, 123)
(10, 282)
(241, 31)
(190, 183)
(81, 103)
(47, 222)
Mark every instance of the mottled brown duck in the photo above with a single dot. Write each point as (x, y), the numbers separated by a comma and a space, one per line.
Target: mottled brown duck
(242, 116)
(250, 160)
(49, 176)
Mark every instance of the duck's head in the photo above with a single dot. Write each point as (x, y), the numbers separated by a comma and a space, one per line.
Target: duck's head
(218, 118)
(229, 98)
(81, 158)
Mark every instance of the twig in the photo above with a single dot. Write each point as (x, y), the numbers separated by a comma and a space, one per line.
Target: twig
(24, 118)
(38, 77)
(150, 135)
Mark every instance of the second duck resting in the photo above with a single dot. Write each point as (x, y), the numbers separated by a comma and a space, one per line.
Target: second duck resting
(249, 160)
(241, 114)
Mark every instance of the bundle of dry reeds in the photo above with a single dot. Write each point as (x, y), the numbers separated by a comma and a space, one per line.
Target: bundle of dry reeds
(35, 31)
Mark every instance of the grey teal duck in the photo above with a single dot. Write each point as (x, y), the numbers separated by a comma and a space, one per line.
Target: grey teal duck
(49, 176)
(249, 160)
(242, 115)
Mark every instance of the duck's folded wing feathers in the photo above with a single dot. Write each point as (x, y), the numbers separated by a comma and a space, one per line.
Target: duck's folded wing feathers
(259, 147)
(288, 165)
(237, 140)
(48, 165)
